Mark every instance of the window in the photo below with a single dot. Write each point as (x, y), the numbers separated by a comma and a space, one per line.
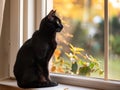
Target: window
(89, 22)
(83, 28)
(87, 26)
(94, 28)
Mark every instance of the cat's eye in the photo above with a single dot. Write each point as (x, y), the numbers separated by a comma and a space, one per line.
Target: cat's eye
(58, 22)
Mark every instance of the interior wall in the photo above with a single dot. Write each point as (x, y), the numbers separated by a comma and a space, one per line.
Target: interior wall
(4, 42)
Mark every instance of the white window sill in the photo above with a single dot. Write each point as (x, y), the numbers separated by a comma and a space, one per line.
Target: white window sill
(86, 82)
(12, 84)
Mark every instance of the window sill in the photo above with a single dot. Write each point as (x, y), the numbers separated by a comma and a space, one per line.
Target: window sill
(86, 82)
(12, 85)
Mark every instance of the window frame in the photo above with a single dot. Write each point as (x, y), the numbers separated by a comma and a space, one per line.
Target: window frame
(26, 14)
(40, 12)
(14, 33)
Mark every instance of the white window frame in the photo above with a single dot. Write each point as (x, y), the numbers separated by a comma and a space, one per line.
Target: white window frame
(40, 11)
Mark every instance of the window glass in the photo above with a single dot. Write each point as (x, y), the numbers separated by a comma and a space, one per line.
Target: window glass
(80, 48)
(114, 38)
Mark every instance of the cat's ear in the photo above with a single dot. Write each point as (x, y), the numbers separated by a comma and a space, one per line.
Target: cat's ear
(54, 11)
(51, 15)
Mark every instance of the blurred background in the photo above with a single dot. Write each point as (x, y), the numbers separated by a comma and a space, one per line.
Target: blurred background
(84, 27)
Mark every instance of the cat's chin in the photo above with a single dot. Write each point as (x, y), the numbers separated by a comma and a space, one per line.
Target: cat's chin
(58, 30)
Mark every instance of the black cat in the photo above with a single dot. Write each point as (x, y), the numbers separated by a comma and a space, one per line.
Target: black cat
(31, 66)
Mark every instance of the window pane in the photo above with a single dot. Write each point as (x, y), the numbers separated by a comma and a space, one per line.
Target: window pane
(81, 43)
(114, 36)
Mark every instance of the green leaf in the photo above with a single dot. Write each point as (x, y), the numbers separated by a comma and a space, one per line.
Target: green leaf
(74, 67)
(84, 71)
(91, 65)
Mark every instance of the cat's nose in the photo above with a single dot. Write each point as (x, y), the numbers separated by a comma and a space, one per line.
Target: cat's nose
(61, 26)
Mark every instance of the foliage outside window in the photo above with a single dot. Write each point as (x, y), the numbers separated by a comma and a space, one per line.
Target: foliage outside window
(78, 63)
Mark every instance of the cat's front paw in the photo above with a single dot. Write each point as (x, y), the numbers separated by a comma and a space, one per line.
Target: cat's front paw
(52, 83)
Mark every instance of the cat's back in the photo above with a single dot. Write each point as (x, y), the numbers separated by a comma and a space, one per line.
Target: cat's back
(27, 46)
(26, 53)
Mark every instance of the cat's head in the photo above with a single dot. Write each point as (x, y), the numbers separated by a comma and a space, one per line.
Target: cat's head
(52, 22)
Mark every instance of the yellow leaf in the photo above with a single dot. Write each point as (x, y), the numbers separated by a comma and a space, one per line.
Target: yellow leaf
(53, 69)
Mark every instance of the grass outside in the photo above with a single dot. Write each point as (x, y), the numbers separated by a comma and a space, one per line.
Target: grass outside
(114, 69)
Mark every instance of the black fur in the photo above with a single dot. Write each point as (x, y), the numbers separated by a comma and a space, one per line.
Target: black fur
(31, 66)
